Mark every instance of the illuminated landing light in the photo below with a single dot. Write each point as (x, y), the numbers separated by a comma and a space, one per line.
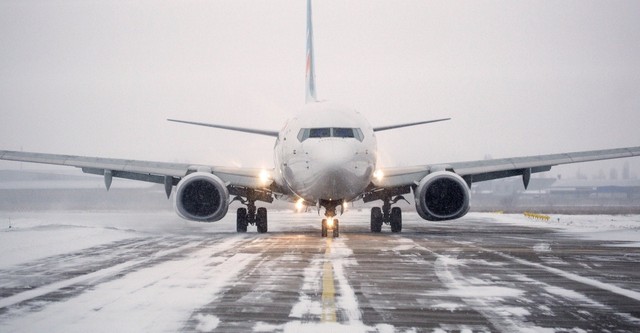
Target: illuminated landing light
(300, 205)
(264, 176)
(378, 175)
(344, 207)
(330, 222)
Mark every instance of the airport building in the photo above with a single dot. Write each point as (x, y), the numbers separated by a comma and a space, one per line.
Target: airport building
(553, 195)
(39, 190)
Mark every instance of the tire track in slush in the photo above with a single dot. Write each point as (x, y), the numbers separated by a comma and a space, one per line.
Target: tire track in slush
(489, 300)
(163, 293)
(49, 270)
(138, 256)
(326, 302)
(499, 296)
(296, 284)
(267, 288)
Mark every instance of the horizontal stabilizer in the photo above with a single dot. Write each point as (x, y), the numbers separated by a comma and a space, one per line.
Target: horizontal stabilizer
(230, 128)
(384, 128)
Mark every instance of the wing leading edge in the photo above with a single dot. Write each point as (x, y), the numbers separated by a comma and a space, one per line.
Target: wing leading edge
(385, 128)
(481, 170)
(165, 173)
(230, 128)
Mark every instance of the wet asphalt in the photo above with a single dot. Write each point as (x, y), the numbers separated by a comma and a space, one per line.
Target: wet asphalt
(473, 274)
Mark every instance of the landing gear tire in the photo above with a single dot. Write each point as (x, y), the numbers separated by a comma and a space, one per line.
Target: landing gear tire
(261, 220)
(324, 228)
(241, 220)
(376, 219)
(396, 219)
(336, 228)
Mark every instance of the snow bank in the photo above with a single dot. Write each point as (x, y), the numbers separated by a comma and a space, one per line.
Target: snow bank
(606, 228)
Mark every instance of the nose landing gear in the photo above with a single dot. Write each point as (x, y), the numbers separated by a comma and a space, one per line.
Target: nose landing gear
(330, 223)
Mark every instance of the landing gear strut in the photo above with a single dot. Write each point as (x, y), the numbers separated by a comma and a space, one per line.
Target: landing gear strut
(251, 215)
(387, 215)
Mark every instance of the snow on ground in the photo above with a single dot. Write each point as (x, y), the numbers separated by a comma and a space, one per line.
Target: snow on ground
(26, 236)
(163, 294)
(606, 228)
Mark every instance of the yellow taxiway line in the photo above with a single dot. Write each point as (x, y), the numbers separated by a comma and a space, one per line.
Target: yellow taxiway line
(328, 288)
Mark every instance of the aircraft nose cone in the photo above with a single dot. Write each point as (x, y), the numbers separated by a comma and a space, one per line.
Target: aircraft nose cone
(334, 156)
(339, 172)
(330, 169)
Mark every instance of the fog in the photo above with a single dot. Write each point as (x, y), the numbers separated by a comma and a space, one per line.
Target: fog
(518, 78)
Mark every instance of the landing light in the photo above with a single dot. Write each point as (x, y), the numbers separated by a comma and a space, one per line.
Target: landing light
(330, 222)
(264, 176)
(378, 175)
(300, 204)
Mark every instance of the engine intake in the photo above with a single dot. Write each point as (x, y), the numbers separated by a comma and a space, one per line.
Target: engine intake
(201, 196)
(442, 195)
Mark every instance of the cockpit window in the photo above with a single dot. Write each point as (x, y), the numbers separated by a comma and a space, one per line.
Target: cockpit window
(343, 132)
(319, 132)
(303, 134)
(325, 132)
(358, 134)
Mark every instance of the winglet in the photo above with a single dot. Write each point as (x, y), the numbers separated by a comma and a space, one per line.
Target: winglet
(310, 78)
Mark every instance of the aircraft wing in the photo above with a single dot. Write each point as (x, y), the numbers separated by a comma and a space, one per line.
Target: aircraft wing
(154, 172)
(476, 171)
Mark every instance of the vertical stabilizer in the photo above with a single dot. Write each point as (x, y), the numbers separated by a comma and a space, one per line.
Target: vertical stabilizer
(311, 73)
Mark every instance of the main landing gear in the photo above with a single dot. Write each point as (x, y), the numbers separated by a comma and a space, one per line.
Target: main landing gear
(388, 215)
(253, 216)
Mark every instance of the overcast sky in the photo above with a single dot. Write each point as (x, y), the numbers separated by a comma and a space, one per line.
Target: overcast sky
(99, 78)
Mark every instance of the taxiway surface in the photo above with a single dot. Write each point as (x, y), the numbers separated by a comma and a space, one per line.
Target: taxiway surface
(476, 274)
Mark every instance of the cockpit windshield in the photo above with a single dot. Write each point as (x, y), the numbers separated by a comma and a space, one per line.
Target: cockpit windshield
(343, 132)
(319, 132)
(335, 132)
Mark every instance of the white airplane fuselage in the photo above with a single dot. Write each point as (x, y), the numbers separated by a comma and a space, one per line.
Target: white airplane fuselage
(325, 152)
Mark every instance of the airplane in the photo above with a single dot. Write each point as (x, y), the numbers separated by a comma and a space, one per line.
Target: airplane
(325, 156)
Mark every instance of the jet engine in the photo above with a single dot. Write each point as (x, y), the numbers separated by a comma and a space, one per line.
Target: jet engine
(442, 195)
(201, 196)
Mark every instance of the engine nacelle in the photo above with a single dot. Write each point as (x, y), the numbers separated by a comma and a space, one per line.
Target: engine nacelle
(442, 195)
(201, 196)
